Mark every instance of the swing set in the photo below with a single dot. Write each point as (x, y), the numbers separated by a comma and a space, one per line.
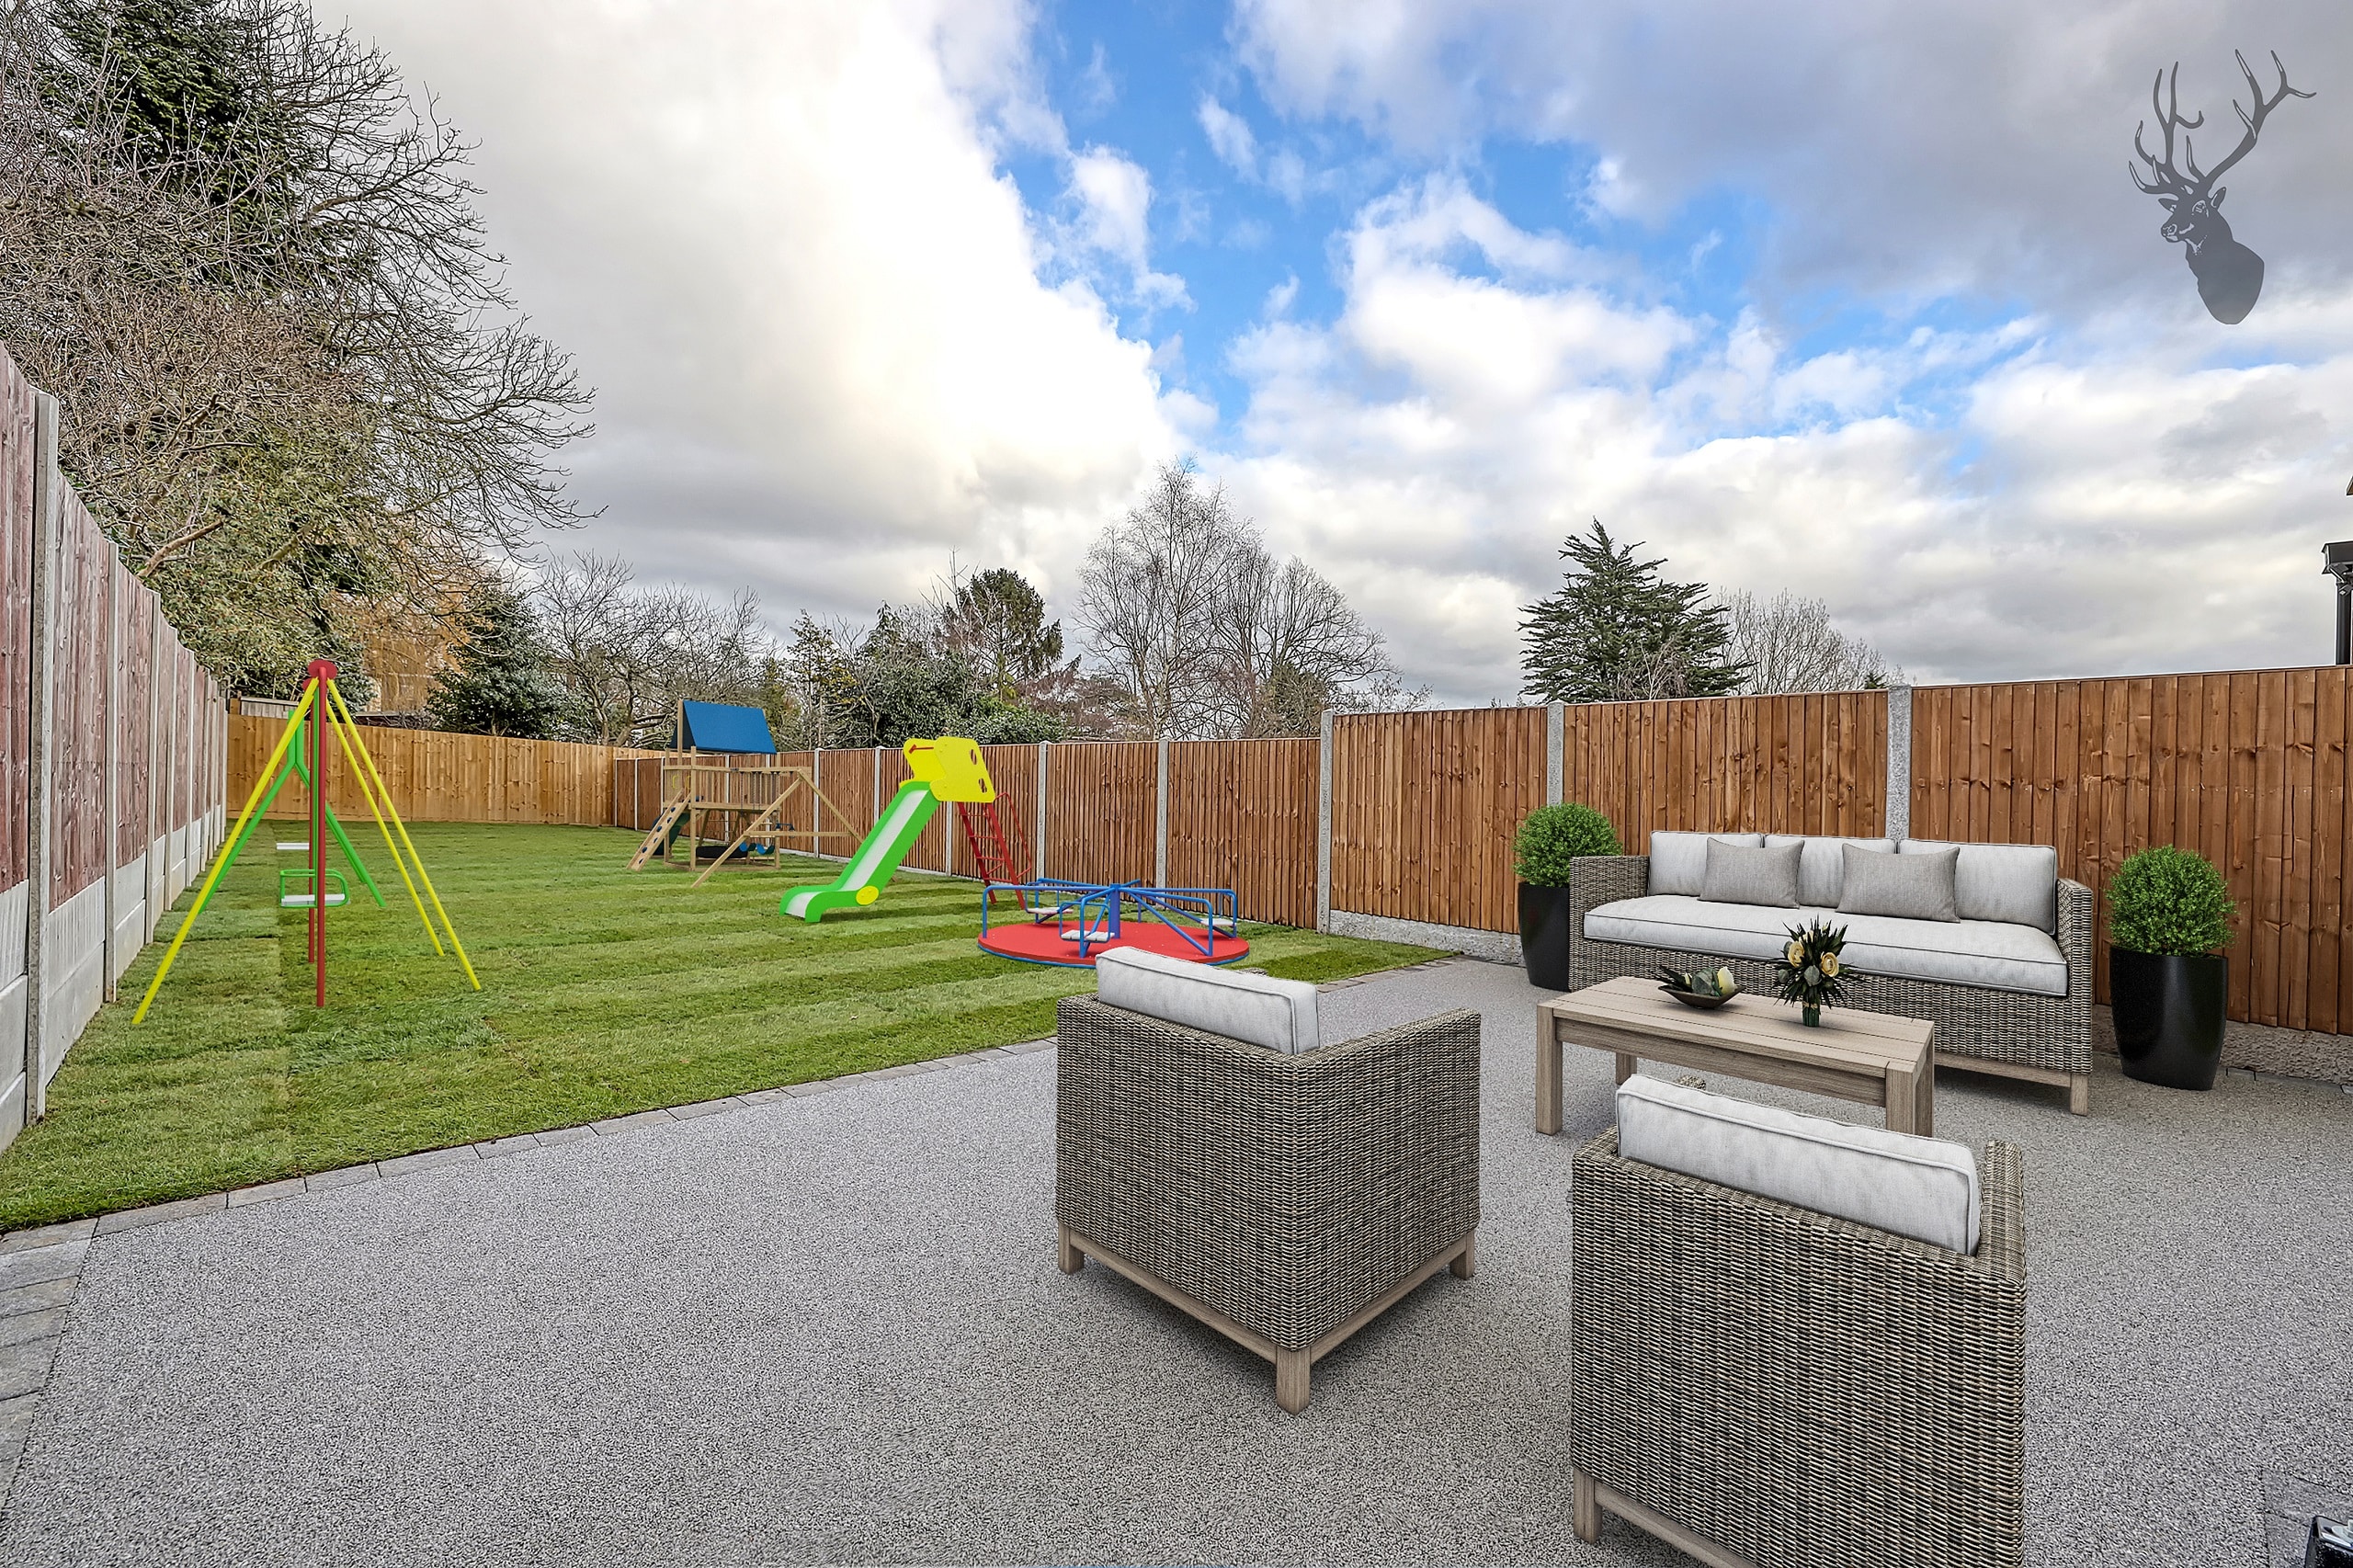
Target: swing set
(301, 754)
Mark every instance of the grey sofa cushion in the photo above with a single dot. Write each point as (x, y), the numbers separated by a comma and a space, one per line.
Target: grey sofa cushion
(2002, 882)
(1915, 887)
(1822, 868)
(1738, 874)
(1679, 860)
(1277, 1014)
(1921, 1187)
(1993, 954)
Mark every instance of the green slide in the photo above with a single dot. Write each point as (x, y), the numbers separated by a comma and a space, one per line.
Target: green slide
(861, 880)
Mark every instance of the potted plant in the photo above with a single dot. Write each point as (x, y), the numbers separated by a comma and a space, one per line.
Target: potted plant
(1551, 839)
(2168, 911)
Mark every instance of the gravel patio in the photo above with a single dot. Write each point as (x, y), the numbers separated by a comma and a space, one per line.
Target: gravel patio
(829, 1328)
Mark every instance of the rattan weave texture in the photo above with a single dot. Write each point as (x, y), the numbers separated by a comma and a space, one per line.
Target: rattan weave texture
(1288, 1192)
(2050, 1032)
(1803, 1391)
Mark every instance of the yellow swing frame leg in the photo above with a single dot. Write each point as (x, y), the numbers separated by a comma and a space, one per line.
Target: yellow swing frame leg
(368, 764)
(346, 736)
(212, 878)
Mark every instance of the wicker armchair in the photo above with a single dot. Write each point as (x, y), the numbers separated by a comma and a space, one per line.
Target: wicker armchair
(1285, 1200)
(2044, 1040)
(1760, 1384)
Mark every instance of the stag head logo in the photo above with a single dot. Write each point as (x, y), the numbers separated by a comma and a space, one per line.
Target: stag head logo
(2230, 276)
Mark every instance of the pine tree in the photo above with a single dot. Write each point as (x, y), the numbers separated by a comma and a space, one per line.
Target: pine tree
(499, 684)
(1616, 630)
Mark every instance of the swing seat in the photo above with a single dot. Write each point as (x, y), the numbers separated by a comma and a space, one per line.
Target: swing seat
(340, 892)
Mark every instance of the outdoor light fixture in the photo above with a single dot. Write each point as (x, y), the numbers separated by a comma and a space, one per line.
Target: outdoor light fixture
(2336, 561)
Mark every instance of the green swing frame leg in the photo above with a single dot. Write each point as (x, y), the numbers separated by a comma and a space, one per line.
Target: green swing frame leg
(295, 767)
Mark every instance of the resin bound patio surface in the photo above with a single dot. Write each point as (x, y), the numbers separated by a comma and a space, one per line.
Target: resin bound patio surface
(829, 1328)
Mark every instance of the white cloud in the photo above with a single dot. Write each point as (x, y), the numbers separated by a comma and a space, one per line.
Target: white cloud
(833, 344)
(1230, 137)
(1113, 195)
(1904, 150)
(811, 301)
(2099, 501)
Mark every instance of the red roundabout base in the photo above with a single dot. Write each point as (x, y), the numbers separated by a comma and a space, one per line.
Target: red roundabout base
(1033, 943)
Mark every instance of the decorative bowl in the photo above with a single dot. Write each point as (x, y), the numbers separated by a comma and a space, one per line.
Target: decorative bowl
(1694, 999)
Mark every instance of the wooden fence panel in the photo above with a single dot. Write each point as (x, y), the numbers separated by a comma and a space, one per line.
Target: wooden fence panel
(433, 776)
(1102, 810)
(1242, 815)
(77, 750)
(134, 621)
(1014, 771)
(2248, 768)
(1424, 810)
(1814, 763)
(848, 778)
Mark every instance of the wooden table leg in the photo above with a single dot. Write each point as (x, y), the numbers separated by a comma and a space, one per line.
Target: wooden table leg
(1548, 1073)
(1626, 1065)
(1907, 1107)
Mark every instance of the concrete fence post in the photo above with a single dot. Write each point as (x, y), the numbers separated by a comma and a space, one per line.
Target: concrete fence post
(1898, 814)
(48, 502)
(1160, 820)
(111, 809)
(1037, 839)
(1323, 826)
(1556, 726)
(153, 870)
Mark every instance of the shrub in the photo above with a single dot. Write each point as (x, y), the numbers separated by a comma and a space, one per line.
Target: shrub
(1551, 836)
(2168, 901)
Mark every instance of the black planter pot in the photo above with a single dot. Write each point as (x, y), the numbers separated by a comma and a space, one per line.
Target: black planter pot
(1544, 935)
(2168, 1011)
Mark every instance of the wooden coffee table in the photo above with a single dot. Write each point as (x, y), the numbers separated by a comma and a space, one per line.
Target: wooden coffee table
(1870, 1058)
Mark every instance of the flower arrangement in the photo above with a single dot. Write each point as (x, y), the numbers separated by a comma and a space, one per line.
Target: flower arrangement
(1809, 971)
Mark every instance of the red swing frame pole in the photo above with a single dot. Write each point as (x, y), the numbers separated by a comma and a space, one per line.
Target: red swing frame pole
(321, 671)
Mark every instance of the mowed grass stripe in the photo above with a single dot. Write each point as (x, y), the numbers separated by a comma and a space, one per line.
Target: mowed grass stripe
(605, 992)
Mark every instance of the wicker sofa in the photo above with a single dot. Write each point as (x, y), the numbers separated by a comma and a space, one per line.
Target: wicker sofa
(2036, 1027)
(1283, 1191)
(1757, 1382)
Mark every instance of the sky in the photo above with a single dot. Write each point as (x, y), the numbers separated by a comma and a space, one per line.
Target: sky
(1851, 299)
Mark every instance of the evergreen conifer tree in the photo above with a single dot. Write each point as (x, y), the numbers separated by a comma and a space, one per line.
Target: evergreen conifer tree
(1615, 630)
(499, 684)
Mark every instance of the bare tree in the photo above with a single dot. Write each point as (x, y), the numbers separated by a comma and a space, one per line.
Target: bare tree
(1788, 644)
(626, 654)
(248, 262)
(1206, 635)
(1151, 596)
(1291, 646)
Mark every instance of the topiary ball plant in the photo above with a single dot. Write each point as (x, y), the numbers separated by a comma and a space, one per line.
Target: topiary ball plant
(1551, 836)
(2168, 901)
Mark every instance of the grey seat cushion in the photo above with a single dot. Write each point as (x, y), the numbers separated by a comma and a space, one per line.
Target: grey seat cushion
(1679, 860)
(1821, 864)
(2002, 882)
(1738, 874)
(1258, 1008)
(1922, 1187)
(1995, 954)
(1916, 887)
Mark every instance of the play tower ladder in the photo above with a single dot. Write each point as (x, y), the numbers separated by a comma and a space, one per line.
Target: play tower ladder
(662, 827)
(997, 853)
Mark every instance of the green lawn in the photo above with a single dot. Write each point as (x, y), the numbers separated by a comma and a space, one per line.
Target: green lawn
(603, 992)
